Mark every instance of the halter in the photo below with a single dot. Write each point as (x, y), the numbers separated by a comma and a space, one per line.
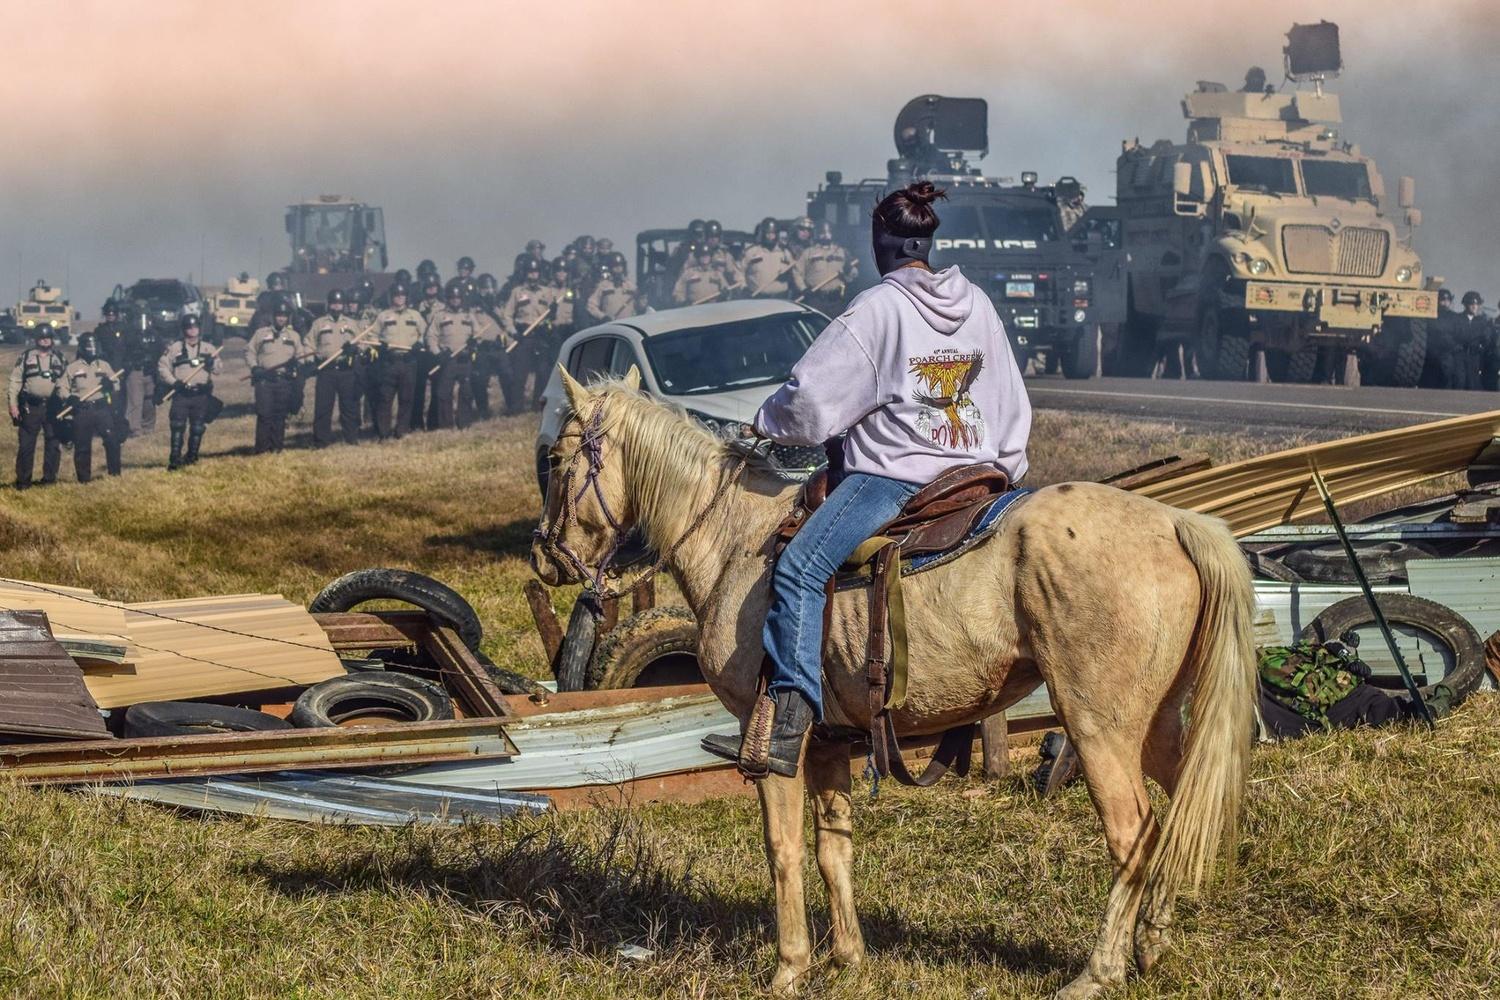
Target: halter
(591, 449)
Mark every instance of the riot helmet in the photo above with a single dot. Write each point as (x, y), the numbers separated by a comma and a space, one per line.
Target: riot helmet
(464, 267)
(336, 302)
(697, 230)
(426, 268)
(276, 282)
(403, 277)
(766, 231)
(111, 310)
(397, 290)
(535, 248)
(88, 347)
(604, 246)
(454, 293)
(487, 284)
(825, 232)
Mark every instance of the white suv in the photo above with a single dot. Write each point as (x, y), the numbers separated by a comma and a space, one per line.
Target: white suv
(719, 362)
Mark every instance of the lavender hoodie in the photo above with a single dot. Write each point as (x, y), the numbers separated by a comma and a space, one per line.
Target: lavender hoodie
(920, 373)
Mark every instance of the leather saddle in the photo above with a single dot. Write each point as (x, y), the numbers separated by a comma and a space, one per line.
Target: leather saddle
(940, 518)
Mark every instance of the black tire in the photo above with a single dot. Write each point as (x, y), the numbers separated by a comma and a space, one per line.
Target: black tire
(1410, 356)
(1382, 562)
(372, 694)
(650, 649)
(1081, 358)
(1223, 350)
(577, 648)
(438, 600)
(1437, 620)
(191, 718)
(1300, 365)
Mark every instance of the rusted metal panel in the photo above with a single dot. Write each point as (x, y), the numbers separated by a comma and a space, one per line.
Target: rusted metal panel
(41, 689)
(464, 675)
(234, 753)
(348, 630)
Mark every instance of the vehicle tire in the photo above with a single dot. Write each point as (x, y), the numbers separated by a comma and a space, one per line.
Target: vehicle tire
(1437, 620)
(1301, 364)
(1223, 343)
(1382, 562)
(438, 600)
(370, 695)
(192, 718)
(577, 648)
(1410, 356)
(650, 649)
(1082, 358)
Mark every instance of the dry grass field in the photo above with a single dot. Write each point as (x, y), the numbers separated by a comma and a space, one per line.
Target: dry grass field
(1369, 865)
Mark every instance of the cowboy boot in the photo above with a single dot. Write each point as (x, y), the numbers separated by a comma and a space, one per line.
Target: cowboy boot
(772, 741)
(195, 438)
(174, 459)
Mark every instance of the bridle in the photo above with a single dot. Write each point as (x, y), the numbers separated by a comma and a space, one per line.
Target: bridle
(591, 450)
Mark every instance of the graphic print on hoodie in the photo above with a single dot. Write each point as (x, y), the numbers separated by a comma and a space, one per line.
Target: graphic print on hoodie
(920, 372)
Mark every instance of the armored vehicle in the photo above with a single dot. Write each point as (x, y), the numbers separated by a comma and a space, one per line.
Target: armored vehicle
(233, 308)
(336, 241)
(1263, 242)
(1052, 266)
(45, 306)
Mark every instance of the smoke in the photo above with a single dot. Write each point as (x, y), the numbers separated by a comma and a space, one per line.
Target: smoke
(158, 138)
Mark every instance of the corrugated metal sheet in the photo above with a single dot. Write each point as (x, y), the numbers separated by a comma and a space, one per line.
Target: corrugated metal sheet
(41, 688)
(332, 798)
(1273, 489)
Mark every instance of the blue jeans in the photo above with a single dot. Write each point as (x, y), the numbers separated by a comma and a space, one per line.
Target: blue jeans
(793, 636)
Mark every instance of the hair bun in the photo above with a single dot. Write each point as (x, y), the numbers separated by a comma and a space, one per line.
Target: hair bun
(924, 192)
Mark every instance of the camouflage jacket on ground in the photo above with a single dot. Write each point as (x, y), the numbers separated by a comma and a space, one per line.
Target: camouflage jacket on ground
(1308, 677)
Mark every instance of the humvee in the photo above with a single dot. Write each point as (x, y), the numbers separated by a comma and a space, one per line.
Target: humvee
(44, 306)
(1262, 246)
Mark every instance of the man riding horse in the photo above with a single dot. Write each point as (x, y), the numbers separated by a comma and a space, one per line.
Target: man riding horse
(919, 373)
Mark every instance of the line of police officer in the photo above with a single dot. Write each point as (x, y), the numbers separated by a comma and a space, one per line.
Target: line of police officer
(803, 263)
(363, 361)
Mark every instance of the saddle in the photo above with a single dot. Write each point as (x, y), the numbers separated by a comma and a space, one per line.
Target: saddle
(943, 519)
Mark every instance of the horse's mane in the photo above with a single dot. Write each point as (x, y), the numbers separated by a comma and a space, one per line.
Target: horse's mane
(672, 458)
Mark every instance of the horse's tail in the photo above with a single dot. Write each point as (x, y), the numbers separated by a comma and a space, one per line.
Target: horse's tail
(1204, 814)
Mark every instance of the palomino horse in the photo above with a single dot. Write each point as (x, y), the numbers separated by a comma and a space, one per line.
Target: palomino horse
(1132, 612)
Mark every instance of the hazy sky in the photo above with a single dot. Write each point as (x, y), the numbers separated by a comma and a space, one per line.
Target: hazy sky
(144, 137)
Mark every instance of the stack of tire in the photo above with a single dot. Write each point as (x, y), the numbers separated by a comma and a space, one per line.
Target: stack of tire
(366, 695)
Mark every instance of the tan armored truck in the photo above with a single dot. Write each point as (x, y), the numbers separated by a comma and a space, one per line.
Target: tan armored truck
(45, 306)
(232, 309)
(1263, 246)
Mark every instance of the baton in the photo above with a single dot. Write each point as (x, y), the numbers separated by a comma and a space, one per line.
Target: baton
(816, 287)
(113, 376)
(527, 332)
(726, 288)
(358, 337)
(173, 391)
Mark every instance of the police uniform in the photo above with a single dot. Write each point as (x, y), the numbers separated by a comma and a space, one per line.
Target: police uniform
(331, 339)
(402, 364)
(721, 258)
(483, 365)
(613, 299)
(821, 272)
(34, 384)
(529, 351)
(189, 371)
(142, 348)
(274, 357)
(1473, 346)
(449, 337)
(699, 282)
(767, 271)
(88, 387)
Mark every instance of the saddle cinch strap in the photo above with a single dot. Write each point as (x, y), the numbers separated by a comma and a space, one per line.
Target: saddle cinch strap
(937, 518)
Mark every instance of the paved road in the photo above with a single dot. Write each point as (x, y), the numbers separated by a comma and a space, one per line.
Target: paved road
(1244, 404)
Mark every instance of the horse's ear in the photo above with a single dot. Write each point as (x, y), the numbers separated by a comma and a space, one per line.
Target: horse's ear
(578, 396)
(633, 378)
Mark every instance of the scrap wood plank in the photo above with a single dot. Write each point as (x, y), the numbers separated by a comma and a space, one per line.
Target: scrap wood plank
(41, 688)
(238, 753)
(1273, 489)
(206, 646)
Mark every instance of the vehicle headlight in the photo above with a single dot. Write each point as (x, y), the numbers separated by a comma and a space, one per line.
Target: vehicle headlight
(52, 323)
(1403, 273)
(234, 321)
(1079, 315)
(1259, 265)
(727, 429)
(30, 323)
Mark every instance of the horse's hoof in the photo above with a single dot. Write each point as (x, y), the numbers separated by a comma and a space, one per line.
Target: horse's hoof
(787, 981)
(1150, 945)
(1082, 988)
(846, 959)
